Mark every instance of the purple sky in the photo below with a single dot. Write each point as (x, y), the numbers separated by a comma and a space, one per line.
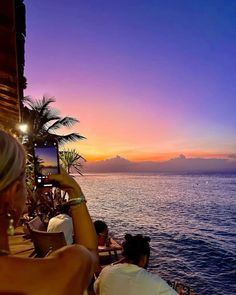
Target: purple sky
(147, 79)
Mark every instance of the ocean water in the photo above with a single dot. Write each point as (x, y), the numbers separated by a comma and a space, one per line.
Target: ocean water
(191, 220)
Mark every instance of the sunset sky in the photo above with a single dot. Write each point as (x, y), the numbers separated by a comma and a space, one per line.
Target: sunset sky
(48, 156)
(148, 80)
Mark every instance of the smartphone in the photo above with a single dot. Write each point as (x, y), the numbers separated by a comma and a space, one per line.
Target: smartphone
(46, 162)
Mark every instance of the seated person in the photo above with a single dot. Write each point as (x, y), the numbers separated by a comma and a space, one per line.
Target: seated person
(62, 223)
(103, 235)
(105, 243)
(131, 276)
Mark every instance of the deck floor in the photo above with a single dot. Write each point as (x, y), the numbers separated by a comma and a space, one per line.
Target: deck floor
(19, 245)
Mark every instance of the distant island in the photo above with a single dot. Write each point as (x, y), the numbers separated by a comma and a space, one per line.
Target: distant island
(180, 164)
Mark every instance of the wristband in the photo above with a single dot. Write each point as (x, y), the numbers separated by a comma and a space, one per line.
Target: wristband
(77, 201)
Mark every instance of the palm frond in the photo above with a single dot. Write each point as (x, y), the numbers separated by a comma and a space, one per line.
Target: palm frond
(68, 137)
(43, 106)
(63, 122)
(37, 104)
(43, 121)
(70, 160)
(27, 100)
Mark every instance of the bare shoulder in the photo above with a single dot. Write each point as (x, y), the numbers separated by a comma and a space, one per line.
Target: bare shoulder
(71, 251)
(74, 256)
(70, 267)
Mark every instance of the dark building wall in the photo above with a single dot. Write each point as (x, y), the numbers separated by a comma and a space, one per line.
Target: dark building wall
(12, 81)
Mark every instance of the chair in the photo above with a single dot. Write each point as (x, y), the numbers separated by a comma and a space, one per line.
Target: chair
(45, 242)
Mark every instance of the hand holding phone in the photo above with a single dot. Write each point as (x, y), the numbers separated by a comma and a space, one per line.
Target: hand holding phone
(46, 162)
(67, 183)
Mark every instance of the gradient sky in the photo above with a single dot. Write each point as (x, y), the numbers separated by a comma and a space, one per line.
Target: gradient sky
(148, 80)
(47, 155)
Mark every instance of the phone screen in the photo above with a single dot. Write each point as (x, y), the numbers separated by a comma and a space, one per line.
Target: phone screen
(46, 162)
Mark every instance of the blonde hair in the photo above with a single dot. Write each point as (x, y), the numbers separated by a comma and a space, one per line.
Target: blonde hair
(12, 159)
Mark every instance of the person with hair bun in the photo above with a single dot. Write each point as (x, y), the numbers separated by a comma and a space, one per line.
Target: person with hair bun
(67, 270)
(130, 276)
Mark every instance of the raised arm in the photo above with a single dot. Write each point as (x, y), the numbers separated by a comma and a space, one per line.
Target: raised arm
(84, 232)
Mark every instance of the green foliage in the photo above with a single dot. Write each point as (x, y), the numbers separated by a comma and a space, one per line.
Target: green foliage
(70, 160)
(45, 203)
(29, 173)
(43, 123)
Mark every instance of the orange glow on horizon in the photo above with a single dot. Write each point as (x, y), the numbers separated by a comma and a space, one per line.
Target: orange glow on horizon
(102, 150)
(161, 157)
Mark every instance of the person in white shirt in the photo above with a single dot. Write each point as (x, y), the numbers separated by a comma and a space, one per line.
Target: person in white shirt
(131, 276)
(62, 223)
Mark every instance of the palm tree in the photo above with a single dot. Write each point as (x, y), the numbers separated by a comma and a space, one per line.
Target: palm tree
(44, 121)
(70, 160)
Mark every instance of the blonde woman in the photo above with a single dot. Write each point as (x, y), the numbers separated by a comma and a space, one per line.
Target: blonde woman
(66, 271)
